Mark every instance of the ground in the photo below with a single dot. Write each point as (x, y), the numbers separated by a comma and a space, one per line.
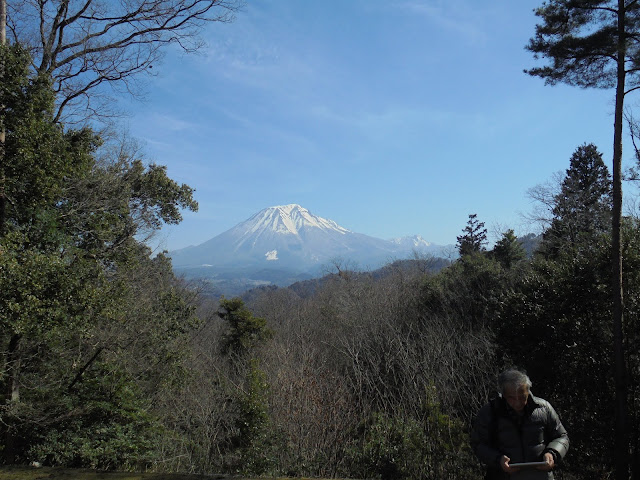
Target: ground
(30, 473)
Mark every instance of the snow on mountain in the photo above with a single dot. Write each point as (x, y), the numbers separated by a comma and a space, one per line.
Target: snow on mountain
(288, 219)
(284, 220)
(290, 236)
(415, 241)
(272, 255)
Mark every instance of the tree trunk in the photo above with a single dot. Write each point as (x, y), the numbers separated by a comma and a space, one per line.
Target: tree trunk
(620, 375)
(11, 395)
(3, 195)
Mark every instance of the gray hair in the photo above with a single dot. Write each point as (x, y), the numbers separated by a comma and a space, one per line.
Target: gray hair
(513, 378)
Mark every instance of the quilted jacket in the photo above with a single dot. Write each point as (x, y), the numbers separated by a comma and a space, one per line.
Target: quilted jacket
(498, 430)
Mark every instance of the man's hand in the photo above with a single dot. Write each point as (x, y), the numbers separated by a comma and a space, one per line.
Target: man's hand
(550, 462)
(504, 464)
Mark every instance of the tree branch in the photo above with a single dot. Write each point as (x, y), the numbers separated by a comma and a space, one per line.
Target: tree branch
(85, 44)
(84, 368)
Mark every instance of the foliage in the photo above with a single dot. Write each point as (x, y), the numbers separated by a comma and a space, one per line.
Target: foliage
(559, 304)
(470, 290)
(256, 435)
(508, 250)
(38, 155)
(251, 447)
(58, 473)
(580, 38)
(551, 325)
(434, 446)
(103, 423)
(93, 327)
(245, 330)
(631, 251)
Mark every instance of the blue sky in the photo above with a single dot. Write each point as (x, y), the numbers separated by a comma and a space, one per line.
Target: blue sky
(391, 117)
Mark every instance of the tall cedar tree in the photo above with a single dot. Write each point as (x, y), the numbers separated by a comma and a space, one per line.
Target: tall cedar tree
(596, 44)
(582, 208)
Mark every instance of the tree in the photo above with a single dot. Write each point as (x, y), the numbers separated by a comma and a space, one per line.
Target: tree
(245, 331)
(582, 207)
(595, 44)
(474, 237)
(84, 45)
(81, 298)
(122, 197)
(508, 250)
(37, 157)
(37, 154)
(543, 196)
(550, 323)
(255, 437)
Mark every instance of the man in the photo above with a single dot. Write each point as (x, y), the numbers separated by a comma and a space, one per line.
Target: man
(517, 427)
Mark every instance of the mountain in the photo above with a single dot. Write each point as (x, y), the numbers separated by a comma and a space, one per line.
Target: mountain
(417, 244)
(288, 243)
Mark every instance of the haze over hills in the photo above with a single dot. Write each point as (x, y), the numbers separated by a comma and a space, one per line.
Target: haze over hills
(286, 243)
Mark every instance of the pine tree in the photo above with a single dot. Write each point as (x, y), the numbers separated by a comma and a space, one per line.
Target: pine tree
(596, 44)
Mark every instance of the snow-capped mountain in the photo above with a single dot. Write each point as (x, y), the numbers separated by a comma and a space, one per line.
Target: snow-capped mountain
(284, 236)
(287, 243)
(416, 243)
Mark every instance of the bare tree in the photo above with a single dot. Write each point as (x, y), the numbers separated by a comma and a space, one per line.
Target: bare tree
(543, 197)
(87, 45)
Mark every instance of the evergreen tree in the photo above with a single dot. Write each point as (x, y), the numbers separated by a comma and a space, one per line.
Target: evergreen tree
(474, 237)
(582, 209)
(508, 250)
(255, 438)
(245, 331)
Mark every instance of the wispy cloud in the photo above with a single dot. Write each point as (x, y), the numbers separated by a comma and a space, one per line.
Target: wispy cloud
(459, 17)
(401, 120)
(171, 123)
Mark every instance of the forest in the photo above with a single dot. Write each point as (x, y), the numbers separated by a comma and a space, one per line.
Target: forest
(110, 361)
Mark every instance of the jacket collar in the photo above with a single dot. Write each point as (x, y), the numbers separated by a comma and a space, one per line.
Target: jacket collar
(532, 404)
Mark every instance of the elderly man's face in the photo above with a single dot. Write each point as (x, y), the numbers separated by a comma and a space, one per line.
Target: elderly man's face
(516, 397)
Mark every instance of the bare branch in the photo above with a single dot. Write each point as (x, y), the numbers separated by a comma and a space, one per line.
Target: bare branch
(87, 44)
